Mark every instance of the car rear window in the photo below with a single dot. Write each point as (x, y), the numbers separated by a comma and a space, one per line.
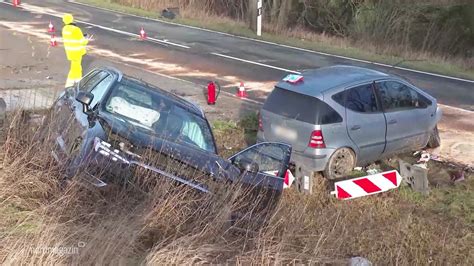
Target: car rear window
(301, 107)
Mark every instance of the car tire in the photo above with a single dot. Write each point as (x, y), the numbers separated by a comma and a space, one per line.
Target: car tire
(434, 140)
(340, 164)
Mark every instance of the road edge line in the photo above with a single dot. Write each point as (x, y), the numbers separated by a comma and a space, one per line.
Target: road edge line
(255, 63)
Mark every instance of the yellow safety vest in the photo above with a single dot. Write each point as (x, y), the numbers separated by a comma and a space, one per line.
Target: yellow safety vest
(74, 42)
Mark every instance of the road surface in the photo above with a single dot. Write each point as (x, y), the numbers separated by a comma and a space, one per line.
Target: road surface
(199, 56)
(32, 73)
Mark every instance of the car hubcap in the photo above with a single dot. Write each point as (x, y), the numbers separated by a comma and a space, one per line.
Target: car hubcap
(342, 163)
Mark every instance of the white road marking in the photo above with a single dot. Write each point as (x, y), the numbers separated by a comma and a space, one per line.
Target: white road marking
(256, 63)
(35, 9)
(283, 45)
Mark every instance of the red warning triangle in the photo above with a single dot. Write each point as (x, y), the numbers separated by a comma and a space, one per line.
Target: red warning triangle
(392, 177)
(341, 193)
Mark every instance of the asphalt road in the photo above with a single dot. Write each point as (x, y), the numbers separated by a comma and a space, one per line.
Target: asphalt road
(199, 56)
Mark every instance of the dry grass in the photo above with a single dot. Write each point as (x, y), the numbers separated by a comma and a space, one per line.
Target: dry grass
(168, 224)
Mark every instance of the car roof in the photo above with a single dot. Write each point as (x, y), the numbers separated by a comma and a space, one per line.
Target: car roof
(181, 102)
(317, 81)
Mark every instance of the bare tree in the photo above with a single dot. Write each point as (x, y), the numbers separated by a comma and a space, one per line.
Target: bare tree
(252, 14)
(284, 14)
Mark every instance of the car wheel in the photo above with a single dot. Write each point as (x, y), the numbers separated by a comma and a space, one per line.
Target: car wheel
(434, 140)
(340, 164)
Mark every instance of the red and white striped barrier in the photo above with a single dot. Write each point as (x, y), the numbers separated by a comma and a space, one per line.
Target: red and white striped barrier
(288, 179)
(367, 185)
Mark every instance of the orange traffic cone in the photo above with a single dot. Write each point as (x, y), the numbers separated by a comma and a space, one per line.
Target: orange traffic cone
(142, 34)
(51, 27)
(16, 3)
(53, 41)
(241, 93)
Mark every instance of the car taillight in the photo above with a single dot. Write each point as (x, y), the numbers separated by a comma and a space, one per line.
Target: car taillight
(260, 123)
(317, 140)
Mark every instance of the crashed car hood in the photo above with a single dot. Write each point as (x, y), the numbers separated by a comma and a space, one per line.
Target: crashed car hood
(134, 142)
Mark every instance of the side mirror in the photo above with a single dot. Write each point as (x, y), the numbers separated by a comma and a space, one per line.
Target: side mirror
(247, 165)
(86, 99)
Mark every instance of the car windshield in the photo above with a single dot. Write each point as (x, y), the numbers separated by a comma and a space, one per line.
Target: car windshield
(149, 110)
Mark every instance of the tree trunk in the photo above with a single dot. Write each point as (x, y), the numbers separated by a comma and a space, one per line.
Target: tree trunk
(274, 11)
(285, 10)
(252, 14)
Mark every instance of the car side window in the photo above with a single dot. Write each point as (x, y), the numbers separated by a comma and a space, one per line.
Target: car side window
(328, 115)
(398, 96)
(270, 157)
(90, 83)
(100, 89)
(360, 99)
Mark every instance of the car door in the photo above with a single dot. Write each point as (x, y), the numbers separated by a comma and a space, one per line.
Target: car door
(272, 160)
(408, 116)
(365, 121)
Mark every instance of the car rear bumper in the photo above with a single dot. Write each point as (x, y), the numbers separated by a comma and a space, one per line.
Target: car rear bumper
(312, 163)
(311, 160)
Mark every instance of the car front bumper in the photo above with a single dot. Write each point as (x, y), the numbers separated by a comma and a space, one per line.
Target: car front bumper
(105, 160)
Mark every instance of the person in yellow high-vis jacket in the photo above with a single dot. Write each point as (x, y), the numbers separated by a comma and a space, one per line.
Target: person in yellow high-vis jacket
(75, 45)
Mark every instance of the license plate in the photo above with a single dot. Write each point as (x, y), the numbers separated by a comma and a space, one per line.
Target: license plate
(285, 133)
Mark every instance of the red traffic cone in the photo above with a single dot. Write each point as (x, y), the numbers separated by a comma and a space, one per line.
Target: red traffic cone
(16, 3)
(241, 93)
(142, 34)
(51, 27)
(53, 41)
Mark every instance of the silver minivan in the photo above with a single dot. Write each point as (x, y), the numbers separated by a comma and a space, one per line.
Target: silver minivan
(340, 117)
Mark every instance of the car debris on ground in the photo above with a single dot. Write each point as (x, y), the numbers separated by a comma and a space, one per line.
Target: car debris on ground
(168, 13)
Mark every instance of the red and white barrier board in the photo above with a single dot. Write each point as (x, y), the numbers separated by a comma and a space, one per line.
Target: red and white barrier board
(288, 179)
(367, 185)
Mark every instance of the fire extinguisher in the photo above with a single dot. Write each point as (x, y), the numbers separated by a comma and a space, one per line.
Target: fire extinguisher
(213, 91)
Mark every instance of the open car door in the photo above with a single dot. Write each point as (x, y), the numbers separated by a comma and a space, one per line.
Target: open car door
(264, 164)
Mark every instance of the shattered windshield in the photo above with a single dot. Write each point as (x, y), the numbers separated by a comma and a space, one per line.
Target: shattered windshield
(149, 110)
